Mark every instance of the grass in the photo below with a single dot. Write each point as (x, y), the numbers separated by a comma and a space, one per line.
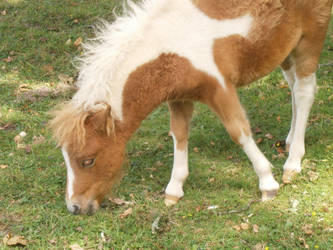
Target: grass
(35, 49)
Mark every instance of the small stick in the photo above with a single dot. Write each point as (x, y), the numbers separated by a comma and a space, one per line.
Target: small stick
(234, 211)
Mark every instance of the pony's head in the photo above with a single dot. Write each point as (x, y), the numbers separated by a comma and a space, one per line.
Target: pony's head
(92, 151)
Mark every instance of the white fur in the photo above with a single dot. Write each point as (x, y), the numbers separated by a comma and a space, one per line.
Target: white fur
(261, 165)
(149, 29)
(179, 172)
(70, 174)
(304, 91)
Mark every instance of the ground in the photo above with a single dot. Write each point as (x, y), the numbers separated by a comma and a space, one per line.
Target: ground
(39, 40)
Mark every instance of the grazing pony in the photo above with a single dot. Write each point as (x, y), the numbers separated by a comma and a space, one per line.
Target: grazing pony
(181, 51)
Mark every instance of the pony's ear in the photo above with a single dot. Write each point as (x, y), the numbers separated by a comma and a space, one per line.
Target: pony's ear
(101, 121)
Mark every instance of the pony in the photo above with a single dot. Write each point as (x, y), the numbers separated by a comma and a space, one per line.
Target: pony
(181, 52)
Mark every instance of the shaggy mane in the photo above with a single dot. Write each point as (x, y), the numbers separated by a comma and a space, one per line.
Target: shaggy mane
(109, 49)
(67, 125)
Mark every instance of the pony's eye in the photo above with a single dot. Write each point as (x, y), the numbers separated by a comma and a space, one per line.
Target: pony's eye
(88, 163)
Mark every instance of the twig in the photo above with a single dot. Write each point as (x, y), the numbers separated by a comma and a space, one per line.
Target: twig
(234, 211)
(326, 64)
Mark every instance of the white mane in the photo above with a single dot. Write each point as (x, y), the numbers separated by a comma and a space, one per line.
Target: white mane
(107, 51)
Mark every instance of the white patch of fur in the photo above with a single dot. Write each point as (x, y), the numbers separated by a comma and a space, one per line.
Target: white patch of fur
(261, 165)
(290, 75)
(146, 31)
(304, 92)
(179, 172)
(70, 174)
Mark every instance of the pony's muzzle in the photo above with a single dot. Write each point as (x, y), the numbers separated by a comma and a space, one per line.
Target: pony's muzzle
(76, 207)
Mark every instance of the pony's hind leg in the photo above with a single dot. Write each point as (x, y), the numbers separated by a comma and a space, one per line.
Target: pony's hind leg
(226, 104)
(180, 116)
(289, 73)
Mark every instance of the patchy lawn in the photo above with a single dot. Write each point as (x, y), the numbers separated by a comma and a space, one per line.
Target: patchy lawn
(39, 40)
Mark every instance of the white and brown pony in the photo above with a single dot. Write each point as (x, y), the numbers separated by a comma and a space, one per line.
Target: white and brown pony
(181, 51)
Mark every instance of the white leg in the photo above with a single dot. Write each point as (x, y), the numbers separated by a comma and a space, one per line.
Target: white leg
(262, 167)
(304, 91)
(174, 190)
(289, 75)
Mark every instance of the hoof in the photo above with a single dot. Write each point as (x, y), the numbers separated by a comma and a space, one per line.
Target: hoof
(170, 200)
(288, 176)
(268, 195)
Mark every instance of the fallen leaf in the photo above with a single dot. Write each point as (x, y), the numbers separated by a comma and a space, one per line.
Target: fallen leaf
(278, 118)
(158, 164)
(65, 79)
(2, 166)
(195, 149)
(313, 175)
(48, 68)
(269, 136)
(4, 12)
(76, 247)
(68, 42)
(257, 130)
(14, 240)
(259, 140)
(307, 229)
(126, 213)
(255, 228)
(38, 140)
(244, 226)
(8, 126)
(120, 202)
(8, 59)
(259, 246)
(236, 227)
(78, 41)
(304, 243)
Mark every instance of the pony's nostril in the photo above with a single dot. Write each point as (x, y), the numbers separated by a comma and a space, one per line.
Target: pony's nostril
(76, 209)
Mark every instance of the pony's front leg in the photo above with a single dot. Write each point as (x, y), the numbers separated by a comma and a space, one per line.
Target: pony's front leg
(225, 102)
(180, 116)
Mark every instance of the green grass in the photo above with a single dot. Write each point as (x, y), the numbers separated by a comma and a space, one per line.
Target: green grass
(33, 35)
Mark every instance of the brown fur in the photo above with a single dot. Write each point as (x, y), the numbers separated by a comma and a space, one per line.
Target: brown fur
(180, 117)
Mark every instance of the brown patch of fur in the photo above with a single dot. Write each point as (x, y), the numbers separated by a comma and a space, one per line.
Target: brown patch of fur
(170, 78)
(180, 117)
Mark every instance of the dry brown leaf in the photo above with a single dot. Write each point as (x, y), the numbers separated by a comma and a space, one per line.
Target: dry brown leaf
(65, 79)
(259, 140)
(255, 228)
(4, 12)
(244, 226)
(236, 227)
(78, 41)
(2, 166)
(75, 247)
(257, 130)
(269, 136)
(8, 59)
(14, 240)
(48, 68)
(304, 243)
(126, 213)
(278, 118)
(195, 149)
(38, 140)
(158, 164)
(120, 202)
(307, 229)
(313, 175)
(259, 246)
